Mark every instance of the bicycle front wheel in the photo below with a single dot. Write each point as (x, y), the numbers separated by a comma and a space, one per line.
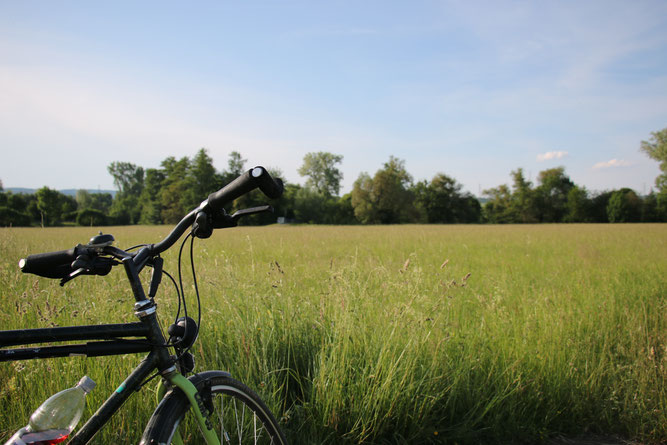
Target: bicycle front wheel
(239, 417)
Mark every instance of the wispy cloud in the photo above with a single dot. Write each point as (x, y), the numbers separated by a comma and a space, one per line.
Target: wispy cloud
(551, 155)
(612, 163)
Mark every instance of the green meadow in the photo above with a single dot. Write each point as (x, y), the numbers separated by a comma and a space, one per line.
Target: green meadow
(386, 334)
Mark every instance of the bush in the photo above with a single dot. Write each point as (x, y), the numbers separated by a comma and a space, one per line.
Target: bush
(91, 217)
(11, 217)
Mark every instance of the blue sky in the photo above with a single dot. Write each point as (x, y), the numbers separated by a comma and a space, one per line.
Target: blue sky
(467, 88)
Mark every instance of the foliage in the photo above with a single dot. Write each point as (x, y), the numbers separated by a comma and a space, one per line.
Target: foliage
(235, 167)
(204, 178)
(53, 206)
(624, 206)
(17, 209)
(656, 148)
(129, 179)
(310, 205)
(552, 194)
(499, 209)
(13, 218)
(164, 195)
(322, 173)
(578, 205)
(96, 201)
(175, 198)
(387, 198)
(91, 217)
(441, 201)
(557, 199)
(524, 199)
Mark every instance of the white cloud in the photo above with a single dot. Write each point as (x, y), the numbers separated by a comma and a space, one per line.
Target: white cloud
(612, 163)
(551, 155)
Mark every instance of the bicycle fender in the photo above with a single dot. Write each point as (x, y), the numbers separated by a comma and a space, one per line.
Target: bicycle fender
(198, 380)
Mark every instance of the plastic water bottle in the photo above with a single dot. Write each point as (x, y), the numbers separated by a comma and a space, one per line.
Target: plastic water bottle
(55, 419)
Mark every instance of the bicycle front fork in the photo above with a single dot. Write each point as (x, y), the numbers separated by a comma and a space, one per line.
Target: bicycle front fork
(198, 408)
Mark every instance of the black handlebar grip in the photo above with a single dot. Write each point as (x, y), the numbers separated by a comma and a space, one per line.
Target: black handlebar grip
(271, 187)
(247, 182)
(49, 265)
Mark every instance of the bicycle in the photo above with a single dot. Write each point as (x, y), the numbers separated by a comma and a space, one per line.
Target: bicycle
(205, 397)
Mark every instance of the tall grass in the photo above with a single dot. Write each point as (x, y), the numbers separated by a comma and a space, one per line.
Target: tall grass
(399, 334)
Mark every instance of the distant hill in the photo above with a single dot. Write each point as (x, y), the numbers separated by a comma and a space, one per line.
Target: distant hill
(69, 192)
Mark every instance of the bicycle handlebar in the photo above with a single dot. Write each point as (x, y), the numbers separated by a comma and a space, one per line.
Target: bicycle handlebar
(254, 178)
(49, 264)
(59, 264)
(257, 177)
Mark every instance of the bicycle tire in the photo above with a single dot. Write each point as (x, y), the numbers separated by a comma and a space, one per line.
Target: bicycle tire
(243, 416)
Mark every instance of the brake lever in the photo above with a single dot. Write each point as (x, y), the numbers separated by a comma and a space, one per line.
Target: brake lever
(89, 266)
(72, 276)
(205, 222)
(251, 211)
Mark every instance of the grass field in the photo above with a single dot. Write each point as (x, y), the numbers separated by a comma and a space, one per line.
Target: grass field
(394, 334)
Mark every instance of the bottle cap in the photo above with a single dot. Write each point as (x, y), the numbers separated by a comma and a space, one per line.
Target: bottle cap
(87, 384)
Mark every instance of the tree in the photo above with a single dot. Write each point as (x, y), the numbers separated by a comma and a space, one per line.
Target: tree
(129, 180)
(83, 199)
(52, 205)
(597, 211)
(392, 190)
(205, 180)
(387, 198)
(656, 148)
(471, 208)
(16, 201)
(48, 205)
(174, 190)
(624, 206)
(437, 199)
(235, 167)
(343, 213)
(523, 199)
(578, 205)
(310, 206)
(552, 194)
(150, 199)
(650, 208)
(101, 202)
(441, 201)
(498, 209)
(91, 217)
(11, 218)
(96, 201)
(363, 199)
(13, 209)
(127, 177)
(322, 173)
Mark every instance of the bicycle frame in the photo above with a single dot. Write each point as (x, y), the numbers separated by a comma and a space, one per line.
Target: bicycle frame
(115, 341)
(97, 258)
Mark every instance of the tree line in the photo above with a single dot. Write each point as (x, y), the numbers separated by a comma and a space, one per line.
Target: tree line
(391, 196)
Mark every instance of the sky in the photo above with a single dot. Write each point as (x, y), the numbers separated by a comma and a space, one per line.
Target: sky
(471, 89)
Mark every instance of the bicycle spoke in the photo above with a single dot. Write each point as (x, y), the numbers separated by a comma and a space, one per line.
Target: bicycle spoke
(241, 419)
